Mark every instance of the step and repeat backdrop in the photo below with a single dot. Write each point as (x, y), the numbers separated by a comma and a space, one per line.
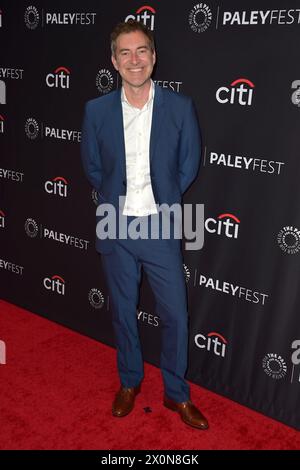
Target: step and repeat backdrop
(240, 63)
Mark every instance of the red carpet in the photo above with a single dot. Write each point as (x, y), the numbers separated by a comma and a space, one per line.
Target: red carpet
(56, 392)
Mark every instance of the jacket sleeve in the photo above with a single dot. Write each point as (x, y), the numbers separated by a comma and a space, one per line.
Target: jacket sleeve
(190, 147)
(90, 151)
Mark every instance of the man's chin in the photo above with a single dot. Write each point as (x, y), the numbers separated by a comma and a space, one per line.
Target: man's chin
(137, 83)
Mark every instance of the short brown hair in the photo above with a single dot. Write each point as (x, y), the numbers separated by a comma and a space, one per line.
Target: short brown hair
(130, 27)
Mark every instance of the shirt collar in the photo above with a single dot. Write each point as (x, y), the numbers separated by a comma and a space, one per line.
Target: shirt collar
(150, 97)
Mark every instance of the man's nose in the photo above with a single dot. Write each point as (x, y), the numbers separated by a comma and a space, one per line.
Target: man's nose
(134, 57)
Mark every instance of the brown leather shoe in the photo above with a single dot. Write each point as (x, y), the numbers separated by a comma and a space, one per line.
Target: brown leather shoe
(188, 412)
(124, 401)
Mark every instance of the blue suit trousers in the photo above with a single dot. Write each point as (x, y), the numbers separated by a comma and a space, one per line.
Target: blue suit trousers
(162, 263)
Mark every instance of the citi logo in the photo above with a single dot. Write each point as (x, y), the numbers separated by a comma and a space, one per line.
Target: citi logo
(60, 78)
(1, 124)
(57, 186)
(2, 92)
(241, 92)
(2, 352)
(2, 219)
(145, 14)
(213, 342)
(226, 224)
(55, 284)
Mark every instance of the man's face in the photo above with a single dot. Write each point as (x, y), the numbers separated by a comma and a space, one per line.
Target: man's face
(133, 58)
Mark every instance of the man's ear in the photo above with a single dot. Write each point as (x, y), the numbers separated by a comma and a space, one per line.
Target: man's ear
(113, 59)
(154, 57)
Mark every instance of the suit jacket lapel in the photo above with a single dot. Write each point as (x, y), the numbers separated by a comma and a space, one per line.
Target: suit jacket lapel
(157, 119)
(118, 130)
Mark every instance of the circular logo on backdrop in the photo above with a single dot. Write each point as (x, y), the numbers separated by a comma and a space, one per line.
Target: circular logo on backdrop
(31, 228)
(104, 81)
(31, 128)
(274, 366)
(200, 18)
(96, 298)
(31, 17)
(187, 273)
(289, 240)
(95, 198)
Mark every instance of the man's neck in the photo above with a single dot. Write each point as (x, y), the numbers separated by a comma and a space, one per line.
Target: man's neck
(137, 96)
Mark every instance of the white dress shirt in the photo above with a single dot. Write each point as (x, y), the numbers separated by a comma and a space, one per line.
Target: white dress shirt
(137, 122)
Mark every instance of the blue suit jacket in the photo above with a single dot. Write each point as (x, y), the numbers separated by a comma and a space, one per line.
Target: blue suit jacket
(175, 148)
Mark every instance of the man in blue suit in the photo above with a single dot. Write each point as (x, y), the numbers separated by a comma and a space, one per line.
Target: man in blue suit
(143, 143)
